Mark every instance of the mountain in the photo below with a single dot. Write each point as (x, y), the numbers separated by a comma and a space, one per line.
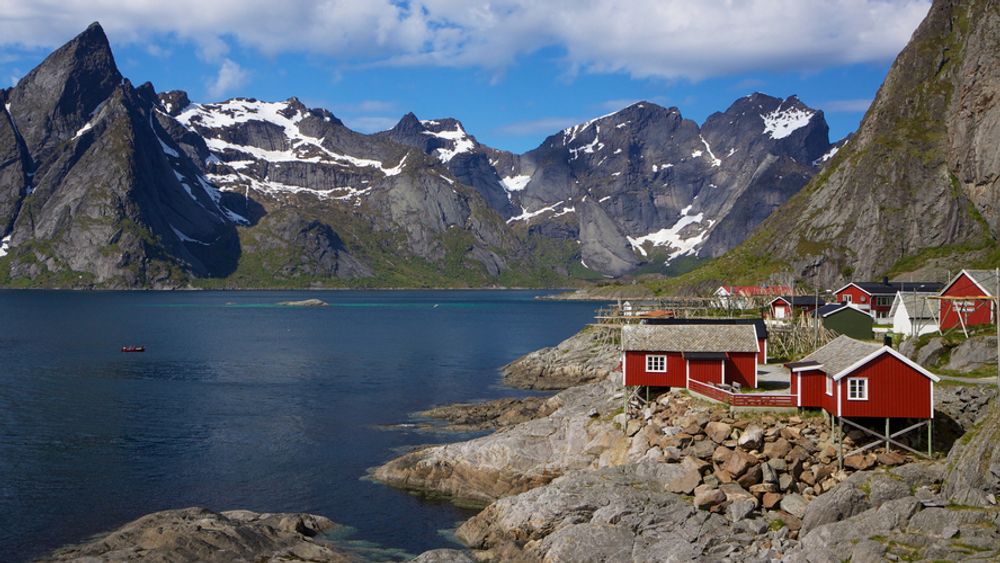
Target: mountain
(109, 185)
(642, 184)
(915, 190)
(92, 190)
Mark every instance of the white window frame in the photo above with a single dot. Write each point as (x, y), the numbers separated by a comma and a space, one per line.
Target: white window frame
(652, 359)
(829, 386)
(862, 382)
(848, 298)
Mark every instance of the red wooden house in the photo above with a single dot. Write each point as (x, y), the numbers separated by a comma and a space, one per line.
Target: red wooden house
(877, 297)
(745, 296)
(854, 379)
(968, 299)
(669, 355)
(787, 306)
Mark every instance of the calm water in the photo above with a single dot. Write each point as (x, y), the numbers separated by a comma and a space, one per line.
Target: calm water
(240, 404)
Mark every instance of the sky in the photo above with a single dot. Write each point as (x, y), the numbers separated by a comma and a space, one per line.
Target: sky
(513, 71)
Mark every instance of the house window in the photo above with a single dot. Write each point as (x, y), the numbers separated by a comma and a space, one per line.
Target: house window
(848, 298)
(857, 389)
(656, 363)
(864, 298)
(829, 385)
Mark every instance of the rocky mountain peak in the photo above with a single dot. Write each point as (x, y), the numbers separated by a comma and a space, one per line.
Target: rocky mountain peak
(174, 101)
(53, 101)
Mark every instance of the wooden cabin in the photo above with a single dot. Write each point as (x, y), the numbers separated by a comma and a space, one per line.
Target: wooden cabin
(876, 297)
(850, 378)
(669, 355)
(759, 325)
(788, 306)
(967, 300)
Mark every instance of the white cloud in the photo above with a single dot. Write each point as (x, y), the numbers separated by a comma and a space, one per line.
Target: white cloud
(643, 38)
(846, 106)
(545, 125)
(231, 77)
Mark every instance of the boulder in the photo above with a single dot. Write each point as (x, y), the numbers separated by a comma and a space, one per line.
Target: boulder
(718, 432)
(752, 438)
(973, 353)
(708, 497)
(930, 354)
(752, 476)
(721, 454)
(685, 483)
(777, 449)
(860, 462)
(738, 463)
(770, 500)
(794, 504)
(891, 458)
(740, 509)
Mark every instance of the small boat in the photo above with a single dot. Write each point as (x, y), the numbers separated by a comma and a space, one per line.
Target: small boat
(133, 348)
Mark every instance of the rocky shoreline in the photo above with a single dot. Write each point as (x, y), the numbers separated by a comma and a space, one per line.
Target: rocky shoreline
(570, 478)
(685, 480)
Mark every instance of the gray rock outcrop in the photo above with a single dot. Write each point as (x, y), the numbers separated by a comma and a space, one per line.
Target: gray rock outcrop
(197, 534)
(586, 356)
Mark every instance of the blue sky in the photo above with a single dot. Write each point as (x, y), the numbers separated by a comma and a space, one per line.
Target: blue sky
(512, 71)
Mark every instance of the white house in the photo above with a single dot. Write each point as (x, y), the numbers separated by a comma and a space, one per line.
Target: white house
(912, 313)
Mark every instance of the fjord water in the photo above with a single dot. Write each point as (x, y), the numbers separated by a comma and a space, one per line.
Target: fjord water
(238, 403)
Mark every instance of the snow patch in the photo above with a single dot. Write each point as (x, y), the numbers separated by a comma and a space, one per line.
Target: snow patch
(446, 179)
(460, 139)
(515, 183)
(781, 123)
(603, 199)
(87, 127)
(671, 238)
(5, 242)
(830, 154)
(711, 157)
(526, 215)
(238, 111)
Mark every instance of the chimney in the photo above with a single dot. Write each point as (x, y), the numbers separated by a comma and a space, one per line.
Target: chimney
(885, 280)
(887, 340)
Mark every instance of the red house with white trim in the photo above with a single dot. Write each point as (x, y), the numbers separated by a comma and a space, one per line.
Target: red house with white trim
(742, 296)
(787, 306)
(978, 288)
(850, 378)
(658, 355)
(877, 297)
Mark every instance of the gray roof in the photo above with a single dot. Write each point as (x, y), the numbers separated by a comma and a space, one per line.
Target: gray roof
(689, 338)
(840, 353)
(985, 278)
(918, 305)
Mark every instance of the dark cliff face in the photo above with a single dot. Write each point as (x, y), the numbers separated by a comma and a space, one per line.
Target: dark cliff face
(104, 197)
(915, 188)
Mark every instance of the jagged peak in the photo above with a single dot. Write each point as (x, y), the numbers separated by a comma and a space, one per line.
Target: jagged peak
(174, 101)
(408, 123)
